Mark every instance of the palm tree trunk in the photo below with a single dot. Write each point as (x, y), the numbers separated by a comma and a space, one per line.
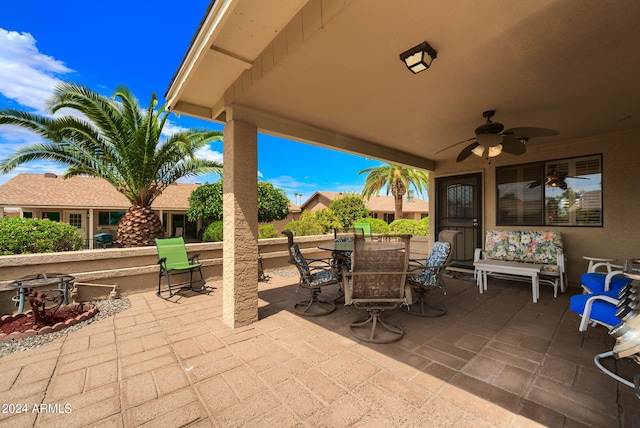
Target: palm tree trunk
(398, 206)
(139, 227)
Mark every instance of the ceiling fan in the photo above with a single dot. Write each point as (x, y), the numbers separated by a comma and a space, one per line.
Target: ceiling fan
(555, 179)
(492, 139)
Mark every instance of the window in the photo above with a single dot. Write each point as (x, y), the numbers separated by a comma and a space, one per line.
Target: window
(51, 215)
(109, 218)
(565, 192)
(75, 220)
(27, 214)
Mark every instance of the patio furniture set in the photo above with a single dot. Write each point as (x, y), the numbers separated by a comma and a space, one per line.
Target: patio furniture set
(522, 255)
(375, 273)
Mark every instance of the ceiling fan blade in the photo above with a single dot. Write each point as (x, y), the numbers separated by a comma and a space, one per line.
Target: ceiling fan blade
(530, 132)
(453, 145)
(512, 145)
(467, 151)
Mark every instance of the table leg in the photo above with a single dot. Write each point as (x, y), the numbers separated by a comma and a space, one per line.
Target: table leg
(535, 287)
(479, 280)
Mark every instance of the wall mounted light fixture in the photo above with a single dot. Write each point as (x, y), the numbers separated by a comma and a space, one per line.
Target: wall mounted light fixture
(419, 58)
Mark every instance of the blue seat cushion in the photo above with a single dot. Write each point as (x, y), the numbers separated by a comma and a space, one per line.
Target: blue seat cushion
(601, 311)
(595, 282)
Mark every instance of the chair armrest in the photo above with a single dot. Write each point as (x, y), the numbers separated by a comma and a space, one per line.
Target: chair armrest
(420, 266)
(325, 260)
(597, 261)
(163, 264)
(608, 265)
(609, 277)
(194, 257)
(478, 254)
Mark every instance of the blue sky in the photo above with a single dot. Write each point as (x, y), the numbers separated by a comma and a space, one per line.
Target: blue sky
(139, 44)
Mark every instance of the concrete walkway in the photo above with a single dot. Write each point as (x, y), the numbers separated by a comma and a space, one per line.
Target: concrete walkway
(493, 360)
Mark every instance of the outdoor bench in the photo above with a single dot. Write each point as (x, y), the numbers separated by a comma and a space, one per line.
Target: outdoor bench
(520, 252)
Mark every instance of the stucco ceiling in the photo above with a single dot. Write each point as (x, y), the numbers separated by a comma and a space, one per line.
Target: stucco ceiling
(573, 66)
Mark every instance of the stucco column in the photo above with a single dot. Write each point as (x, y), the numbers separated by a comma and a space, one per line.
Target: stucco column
(240, 211)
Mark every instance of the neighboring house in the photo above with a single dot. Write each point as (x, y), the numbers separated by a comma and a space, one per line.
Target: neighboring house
(294, 214)
(382, 207)
(91, 204)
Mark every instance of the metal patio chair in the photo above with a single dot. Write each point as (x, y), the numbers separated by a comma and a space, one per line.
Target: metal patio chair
(173, 260)
(376, 283)
(315, 273)
(425, 277)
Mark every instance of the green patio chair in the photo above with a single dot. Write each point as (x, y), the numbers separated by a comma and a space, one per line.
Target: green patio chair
(173, 260)
(366, 229)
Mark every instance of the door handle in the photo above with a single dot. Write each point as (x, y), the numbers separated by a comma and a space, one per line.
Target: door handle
(475, 222)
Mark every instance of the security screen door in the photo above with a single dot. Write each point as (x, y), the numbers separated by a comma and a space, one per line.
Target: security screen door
(458, 207)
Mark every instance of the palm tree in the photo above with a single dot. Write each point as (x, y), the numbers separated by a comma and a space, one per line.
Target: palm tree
(397, 179)
(114, 139)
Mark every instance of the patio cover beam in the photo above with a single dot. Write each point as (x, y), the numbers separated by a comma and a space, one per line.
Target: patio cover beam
(272, 124)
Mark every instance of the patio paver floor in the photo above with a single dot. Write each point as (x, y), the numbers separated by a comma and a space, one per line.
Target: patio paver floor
(495, 359)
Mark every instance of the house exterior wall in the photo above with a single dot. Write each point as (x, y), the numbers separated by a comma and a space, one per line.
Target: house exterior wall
(619, 236)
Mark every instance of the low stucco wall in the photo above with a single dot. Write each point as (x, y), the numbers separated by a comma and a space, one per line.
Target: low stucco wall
(136, 270)
(133, 269)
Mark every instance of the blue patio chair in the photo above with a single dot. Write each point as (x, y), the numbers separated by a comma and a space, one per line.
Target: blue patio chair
(603, 275)
(315, 273)
(598, 308)
(428, 278)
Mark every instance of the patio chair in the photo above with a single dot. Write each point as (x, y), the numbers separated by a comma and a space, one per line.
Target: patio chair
(173, 260)
(603, 275)
(342, 259)
(595, 309)
(376, 283)
(366, 229)
(429, 277)
(315, 273)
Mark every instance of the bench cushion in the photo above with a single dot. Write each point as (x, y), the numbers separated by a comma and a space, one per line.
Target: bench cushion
(525, 246)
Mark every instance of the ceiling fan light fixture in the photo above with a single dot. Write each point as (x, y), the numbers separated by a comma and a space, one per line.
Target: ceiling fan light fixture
(489, 140)
(478, 150)
(495, 151)
(419, 58)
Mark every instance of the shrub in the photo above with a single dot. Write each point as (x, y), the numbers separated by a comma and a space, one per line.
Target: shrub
(377, 225)
(348, 209)
(213, 232)
(407, 226)
(266, 231)
(304, 227)
(327, 219)
(425, 223)
(30, 236)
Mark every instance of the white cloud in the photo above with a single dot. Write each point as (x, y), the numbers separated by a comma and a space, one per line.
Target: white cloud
(207, 153)
(26, 75)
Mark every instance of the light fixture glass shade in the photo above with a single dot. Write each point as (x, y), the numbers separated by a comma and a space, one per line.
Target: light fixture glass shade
(418, 58)
(495, 151)
(478, 150)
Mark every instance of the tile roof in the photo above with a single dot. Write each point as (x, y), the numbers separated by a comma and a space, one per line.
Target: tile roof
(49, 190)
(379, 203)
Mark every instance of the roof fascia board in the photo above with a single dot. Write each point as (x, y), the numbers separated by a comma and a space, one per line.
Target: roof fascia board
(220, 11)
(291, 129)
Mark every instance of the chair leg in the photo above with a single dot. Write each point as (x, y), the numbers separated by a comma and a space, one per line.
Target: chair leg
(314, 306)
(423, 307)
(159, 294)
(374, 319)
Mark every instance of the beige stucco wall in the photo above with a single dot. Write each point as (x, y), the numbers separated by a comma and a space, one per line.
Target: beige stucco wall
(620, 235)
